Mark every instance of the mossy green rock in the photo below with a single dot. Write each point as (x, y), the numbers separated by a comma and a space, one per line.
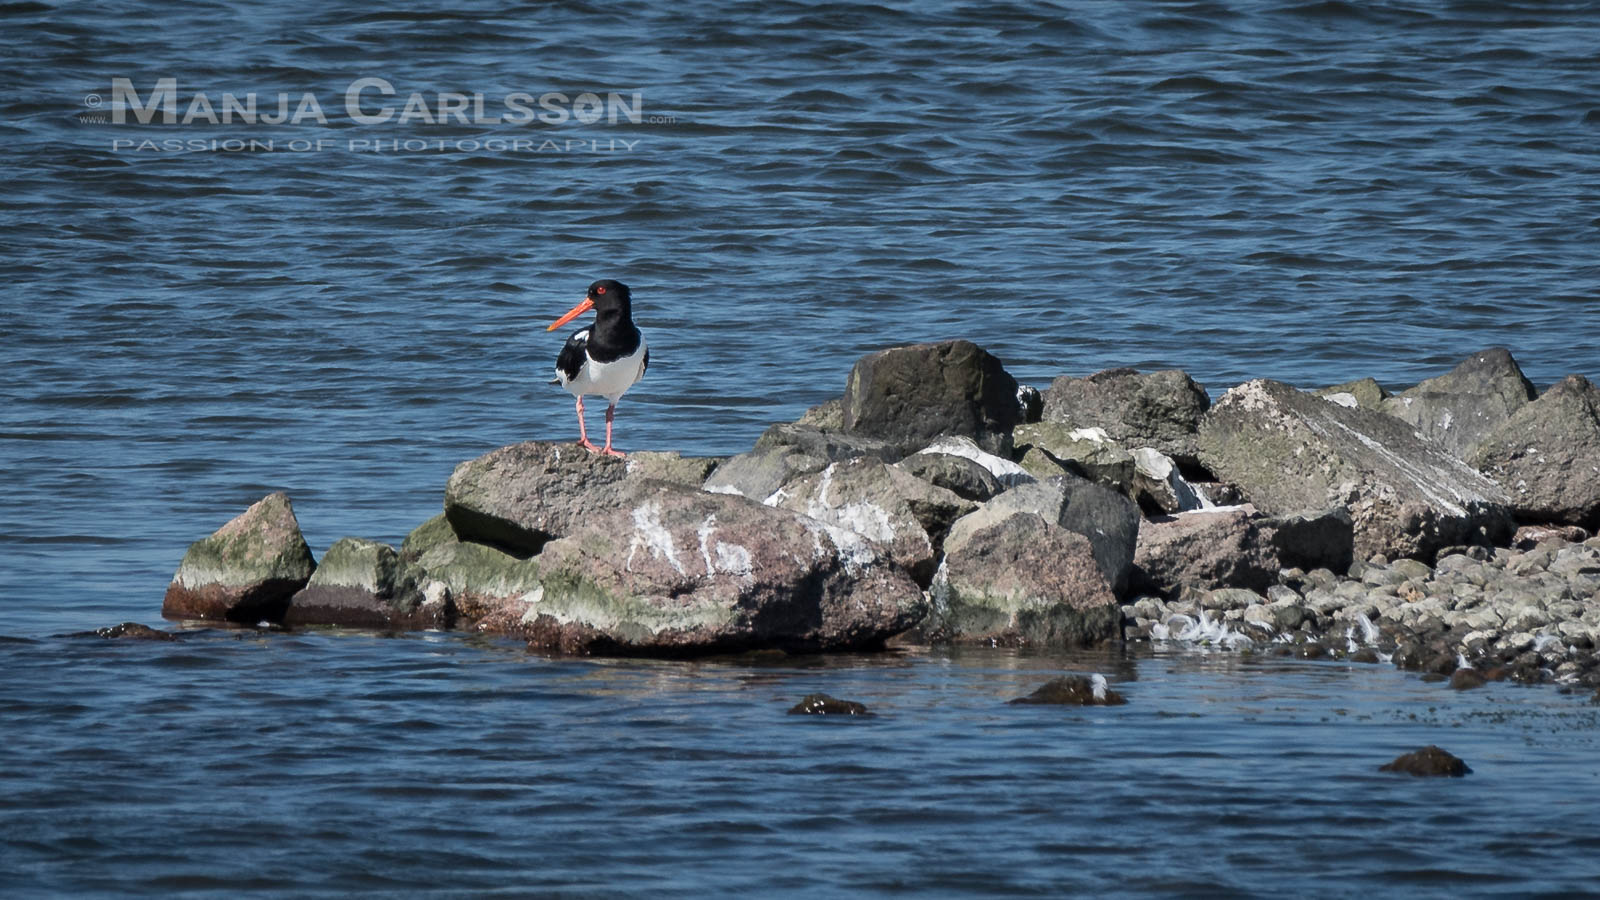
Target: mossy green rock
(365, 584)
(1084, 452)
(246, 571)
(482, 580)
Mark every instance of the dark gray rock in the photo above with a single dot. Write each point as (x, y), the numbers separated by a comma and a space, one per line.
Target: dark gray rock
(521, 496)
(128, 631)
(1237, 547)
(828, 415)
(1074, 690)
(246, 571)
(1087, 453)
(1290, 451)
(1547, 455)
(1021, 580)
(363, 584)
(1156, 409)
(760, 473)
(1107, 519)
(962, 476)
(1457, 409)
(901, 514)
(824, 705)
(1430, 760)
(681, 572)
(910, 395)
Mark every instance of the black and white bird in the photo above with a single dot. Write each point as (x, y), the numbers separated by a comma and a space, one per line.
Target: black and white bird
(606, 358)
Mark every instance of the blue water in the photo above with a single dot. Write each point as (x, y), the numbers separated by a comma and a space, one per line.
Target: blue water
(1306, 191)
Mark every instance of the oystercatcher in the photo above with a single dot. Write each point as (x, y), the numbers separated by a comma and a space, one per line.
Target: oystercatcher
(606, 358)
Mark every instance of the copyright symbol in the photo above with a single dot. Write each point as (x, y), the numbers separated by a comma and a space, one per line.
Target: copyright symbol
(92, 101)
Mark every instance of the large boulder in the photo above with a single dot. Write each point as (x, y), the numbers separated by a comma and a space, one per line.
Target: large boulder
(246, 571)
(520, 496)
(1021, 579)
(682, 572)
(1156, 409)
(898, 512)
(1547, 455)
(364, 584)
(910, 395)
(1290, 451)
(1106, 519)
(1237, 547)
(1457, 409)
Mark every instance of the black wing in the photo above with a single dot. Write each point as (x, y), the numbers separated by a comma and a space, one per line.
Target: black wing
(573, 355)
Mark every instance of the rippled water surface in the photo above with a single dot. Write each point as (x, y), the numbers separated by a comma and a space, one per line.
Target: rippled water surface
(1306, 191)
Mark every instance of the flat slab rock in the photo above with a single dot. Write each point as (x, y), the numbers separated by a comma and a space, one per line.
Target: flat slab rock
(1290, 451)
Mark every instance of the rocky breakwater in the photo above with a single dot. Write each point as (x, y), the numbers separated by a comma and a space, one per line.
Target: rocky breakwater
(940, 500)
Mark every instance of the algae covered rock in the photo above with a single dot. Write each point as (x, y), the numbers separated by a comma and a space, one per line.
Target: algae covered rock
(910, 395)
(246, 571)
(364, 584)
(1074, 690)
(1291, 451)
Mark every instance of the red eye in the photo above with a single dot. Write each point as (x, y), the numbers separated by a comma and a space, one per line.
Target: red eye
(600, 290)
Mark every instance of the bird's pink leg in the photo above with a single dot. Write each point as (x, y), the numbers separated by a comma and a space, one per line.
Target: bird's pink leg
(609, 451)
(583, 435)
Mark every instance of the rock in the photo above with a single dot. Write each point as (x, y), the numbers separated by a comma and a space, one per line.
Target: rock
(760, 473)
(1467, 679)
(1430, 760)
(1157, 486)
(1237, 547)
(1530, 536)
(480, 581)
(128, 631)
(1291, 451)
(1008, 473)
(363, 584)
(1021, 579)
(521, 496)
(1364, 393)
(824, 705)
(913, 394)
(679, 572)
(828, 415)
(1074, 690)
(1157, 409)
(1547, 455)
(1107, 519)
(901, 514)
(1459, 408)
(1030, 404)
(963, 477)
(246, 571)
(831, 445)
(671, 466)
(1085, 452)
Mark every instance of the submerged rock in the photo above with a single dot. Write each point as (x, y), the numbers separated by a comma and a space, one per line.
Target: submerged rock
(1155, 409)
(824, 705)
(677, 572)
(1430, 760)
(128, 631)
(910, 395)
(363, 584)
(1467, 679)
(1457, 409)
(1074, 690)
(1547, 455)
(1291, 451)
(246, 571)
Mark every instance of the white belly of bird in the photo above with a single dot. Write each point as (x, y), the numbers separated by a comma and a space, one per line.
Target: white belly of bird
(610, 380)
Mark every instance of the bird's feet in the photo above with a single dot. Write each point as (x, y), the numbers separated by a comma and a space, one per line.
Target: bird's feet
(588, 445)
(609, 450)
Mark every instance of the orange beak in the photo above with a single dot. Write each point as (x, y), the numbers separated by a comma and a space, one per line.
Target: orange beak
(573, 313)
